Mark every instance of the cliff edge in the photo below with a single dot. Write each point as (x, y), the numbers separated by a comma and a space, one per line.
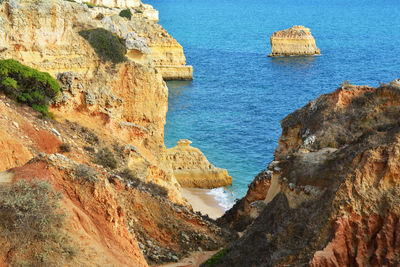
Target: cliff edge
(331, 195)
(295, 41)
(192, 169)
(101, 148)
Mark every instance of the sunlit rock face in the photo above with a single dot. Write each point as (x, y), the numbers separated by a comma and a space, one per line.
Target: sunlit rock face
(295, 41)
(331, 195)
(192, 169)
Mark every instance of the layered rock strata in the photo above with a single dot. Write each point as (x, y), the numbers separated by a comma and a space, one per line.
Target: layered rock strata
(192, 169)
(333, 198)
(129, 98)
(119, 106)
(24, 37)
(121, 217)
(295, 41)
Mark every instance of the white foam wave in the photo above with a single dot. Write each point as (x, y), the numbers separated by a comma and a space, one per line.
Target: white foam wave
(224, 197)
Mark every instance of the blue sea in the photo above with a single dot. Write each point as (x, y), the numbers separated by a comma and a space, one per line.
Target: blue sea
(233, 107)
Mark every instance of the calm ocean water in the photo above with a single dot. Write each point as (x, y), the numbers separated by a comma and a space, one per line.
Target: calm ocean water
(233, 107)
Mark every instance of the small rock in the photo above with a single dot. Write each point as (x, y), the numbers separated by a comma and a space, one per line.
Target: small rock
(15, 124)
(277, 169)
(292, 186)
(8, 105)
(90, 98)
(55, 132)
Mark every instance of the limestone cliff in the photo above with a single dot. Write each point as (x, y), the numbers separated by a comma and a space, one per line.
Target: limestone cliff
(295, 41)
(27, 37)
(115, 217)
(106, 111)
(192, 169)
(333, 198)
(129, 98)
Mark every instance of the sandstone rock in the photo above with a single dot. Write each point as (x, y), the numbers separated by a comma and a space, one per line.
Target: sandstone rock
(192, 169)
(336, 200)
(295, 41)
(116, 3)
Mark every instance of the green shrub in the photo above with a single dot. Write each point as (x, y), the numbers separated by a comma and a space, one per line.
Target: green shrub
(126, 13)
(89, 136)
(89, 4)
(138, 11)
(131, 176)
(64, 147)
(86, 173)
(28, 85)
(156, 189)
(106, 45)
(215, 258)
(31, 223)
(106, 158)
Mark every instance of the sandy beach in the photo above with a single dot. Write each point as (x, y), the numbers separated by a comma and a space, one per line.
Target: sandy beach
(201, 201)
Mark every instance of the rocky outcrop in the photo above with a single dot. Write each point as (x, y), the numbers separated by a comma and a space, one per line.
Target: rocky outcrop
(25, 37)
(116, 3)
(295, 41)
(247, 209)
(192, 169)
(121, 217)
(127, 99)
(334, 193)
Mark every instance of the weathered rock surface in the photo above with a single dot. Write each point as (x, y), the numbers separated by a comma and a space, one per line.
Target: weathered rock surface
(192, 169)
(116, 3)
(112, 219)
(52, 42)
(247, 209)
(295, 41)
(334, 193)
(128, 99)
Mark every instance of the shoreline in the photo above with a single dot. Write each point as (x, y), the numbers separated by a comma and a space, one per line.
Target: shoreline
(203, 202)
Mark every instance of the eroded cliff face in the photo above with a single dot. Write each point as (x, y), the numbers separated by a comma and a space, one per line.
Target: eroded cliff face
(128, 99)
(114, 218)
(192, 169)
(295, 41)
(47, 38)
(120, 107)
(333, 199)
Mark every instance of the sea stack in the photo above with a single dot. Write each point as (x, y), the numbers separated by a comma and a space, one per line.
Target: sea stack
(192, 169)
(295, 41)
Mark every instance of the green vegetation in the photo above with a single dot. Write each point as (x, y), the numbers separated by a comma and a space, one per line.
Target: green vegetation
(138, 11)
(126, 13)
(89, 4)
(156, 189)
(31, 224)
(106, 45)
(27, 85)
(131, 176)
(64, 147)
(84, 172)
(215, 258)
(136, 182)
(106, 158)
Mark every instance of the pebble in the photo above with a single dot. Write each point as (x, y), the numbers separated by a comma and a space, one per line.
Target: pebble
(15, 124)
(7, 104)
(291, 186)
(55, 131)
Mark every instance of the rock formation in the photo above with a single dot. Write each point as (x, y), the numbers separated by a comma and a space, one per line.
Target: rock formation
(333, 196)
(192, 169)
(147, 43)
(295, 41)
(124, 215)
